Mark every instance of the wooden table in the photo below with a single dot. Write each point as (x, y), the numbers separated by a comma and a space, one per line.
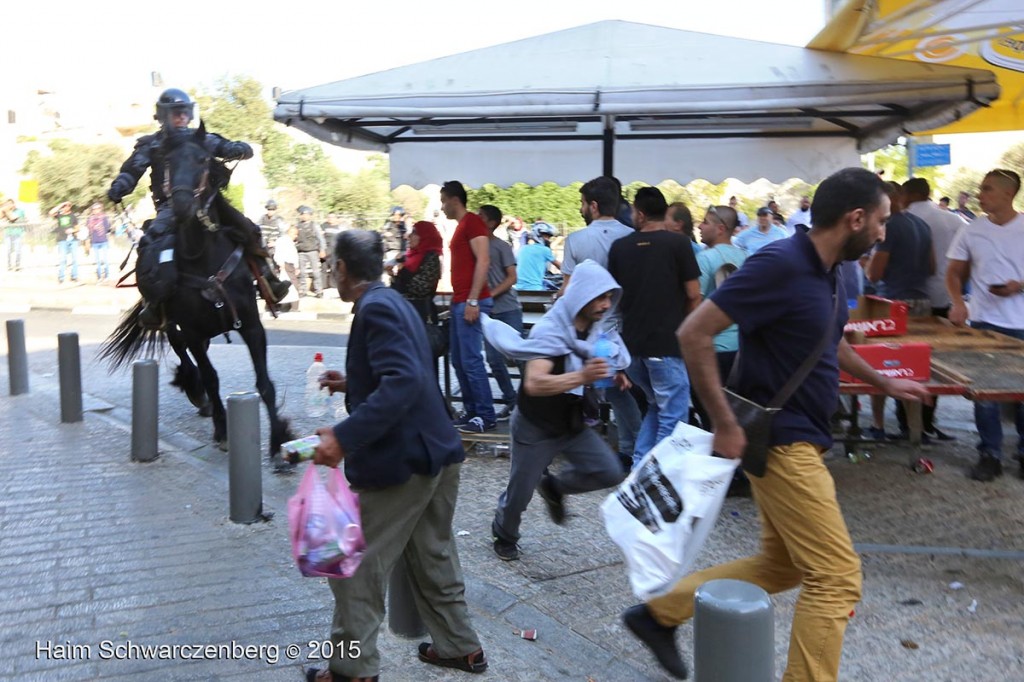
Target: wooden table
(977, 364)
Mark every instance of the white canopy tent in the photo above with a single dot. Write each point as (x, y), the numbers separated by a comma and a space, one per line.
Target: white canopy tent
(637, 101)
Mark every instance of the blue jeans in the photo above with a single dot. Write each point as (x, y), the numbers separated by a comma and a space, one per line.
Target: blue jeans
(627, 417)
(988, 415)
(14, 242)
(101, 250)
(496, 361)
(666, 384)
(67, 249)
(467, 343)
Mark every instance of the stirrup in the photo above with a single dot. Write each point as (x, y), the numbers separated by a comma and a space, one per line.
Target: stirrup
(268, 287)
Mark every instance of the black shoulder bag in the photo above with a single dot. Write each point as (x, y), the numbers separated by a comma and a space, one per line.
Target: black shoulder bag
(755, 419)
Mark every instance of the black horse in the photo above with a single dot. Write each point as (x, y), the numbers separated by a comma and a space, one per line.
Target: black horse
(215, 293)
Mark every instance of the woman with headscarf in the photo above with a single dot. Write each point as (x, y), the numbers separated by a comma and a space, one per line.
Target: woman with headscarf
(420, 268)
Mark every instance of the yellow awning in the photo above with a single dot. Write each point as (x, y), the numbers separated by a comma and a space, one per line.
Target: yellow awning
(980, 34)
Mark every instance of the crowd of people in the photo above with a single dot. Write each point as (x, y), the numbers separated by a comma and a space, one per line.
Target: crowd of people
(641, 306)
(646, 318)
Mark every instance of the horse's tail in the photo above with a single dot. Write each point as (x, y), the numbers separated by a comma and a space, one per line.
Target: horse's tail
(130, 340)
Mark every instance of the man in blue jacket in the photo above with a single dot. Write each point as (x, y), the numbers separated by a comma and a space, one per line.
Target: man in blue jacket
(402, 456)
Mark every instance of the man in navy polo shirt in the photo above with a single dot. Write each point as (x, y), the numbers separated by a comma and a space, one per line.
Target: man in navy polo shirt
(782, 300)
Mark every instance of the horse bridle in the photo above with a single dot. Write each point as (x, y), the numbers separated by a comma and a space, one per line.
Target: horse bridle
(203, 212)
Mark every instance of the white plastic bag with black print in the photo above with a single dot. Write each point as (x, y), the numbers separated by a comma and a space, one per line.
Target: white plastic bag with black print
(662, 513)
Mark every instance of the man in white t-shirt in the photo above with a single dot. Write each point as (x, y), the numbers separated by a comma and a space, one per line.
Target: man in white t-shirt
(991, 250)
(944, 226)
(800, 217)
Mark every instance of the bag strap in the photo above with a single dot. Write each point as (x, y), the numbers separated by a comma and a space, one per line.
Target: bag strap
(801, 373)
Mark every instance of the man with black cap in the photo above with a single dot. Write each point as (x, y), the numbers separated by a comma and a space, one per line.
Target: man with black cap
(765, 232)
(271, 226)
(312, 247)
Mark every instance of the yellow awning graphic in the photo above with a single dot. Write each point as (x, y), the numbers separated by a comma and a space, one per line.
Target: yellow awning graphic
(980, 34)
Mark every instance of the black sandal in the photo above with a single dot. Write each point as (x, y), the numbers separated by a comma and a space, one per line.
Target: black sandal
(313, 673)
(473, 662)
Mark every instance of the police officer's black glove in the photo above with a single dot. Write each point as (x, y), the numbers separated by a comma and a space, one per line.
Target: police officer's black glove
(114, 195)
(238, 150)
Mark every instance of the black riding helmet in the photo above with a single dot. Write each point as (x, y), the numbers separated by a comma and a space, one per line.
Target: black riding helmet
(172, 100)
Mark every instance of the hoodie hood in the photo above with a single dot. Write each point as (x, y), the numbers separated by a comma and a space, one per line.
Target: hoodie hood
(555, 335)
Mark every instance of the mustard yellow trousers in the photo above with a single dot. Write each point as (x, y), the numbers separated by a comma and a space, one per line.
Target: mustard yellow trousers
(804, 542)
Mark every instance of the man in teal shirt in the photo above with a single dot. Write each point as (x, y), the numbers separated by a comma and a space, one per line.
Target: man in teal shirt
(716, 262)
(532, 260)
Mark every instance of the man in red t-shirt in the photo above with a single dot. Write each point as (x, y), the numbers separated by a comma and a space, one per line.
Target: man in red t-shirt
(470, 246)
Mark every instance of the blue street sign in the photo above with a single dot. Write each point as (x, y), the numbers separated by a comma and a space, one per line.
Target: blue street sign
(931, 155)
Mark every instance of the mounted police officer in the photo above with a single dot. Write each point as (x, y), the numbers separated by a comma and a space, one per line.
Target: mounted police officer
(174, 112)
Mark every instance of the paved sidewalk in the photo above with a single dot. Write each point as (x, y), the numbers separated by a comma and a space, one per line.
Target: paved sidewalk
(98, 552)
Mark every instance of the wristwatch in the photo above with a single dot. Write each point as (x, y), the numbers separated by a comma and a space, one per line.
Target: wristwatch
(473, 303)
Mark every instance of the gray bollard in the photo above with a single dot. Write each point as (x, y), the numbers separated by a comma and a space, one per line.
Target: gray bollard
(145, 407)
(245, 479)
(17, 357)
(403, 618)
(69, 366)
(727, 612)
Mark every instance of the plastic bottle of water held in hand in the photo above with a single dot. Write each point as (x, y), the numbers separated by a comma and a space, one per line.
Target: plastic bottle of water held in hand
(603, 350)
(317, 398)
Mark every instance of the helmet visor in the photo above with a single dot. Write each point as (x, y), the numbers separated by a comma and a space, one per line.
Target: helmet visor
(177, 115)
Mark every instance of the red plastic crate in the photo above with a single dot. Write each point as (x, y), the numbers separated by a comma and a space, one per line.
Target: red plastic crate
(898, 360)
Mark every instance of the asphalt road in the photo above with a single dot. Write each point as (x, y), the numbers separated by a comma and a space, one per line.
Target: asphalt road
(291, 345)
(94, 328)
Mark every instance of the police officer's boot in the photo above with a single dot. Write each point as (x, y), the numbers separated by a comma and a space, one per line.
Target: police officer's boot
(278, 289)
(150, 317)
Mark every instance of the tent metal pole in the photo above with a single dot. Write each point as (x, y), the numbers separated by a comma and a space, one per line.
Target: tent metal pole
(608, 147)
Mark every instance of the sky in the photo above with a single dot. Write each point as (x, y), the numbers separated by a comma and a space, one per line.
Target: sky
(110, 47)
(105, 51)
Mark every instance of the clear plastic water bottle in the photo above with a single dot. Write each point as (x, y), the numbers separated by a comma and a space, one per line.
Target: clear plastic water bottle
(603, 350)
(317, 398)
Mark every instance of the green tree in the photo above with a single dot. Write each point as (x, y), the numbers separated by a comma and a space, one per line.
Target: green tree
(363, 194)
(74, 172)
(412, 200)
(963, 180)
(893, 160)
(235, 194)
(235, 108)
(1013, 158)
(548, 201)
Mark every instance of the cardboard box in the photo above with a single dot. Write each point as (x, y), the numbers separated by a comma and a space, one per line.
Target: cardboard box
(898, 360)
(876, 316)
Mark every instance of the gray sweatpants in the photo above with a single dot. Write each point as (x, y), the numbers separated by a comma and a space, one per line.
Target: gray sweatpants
(309, 261)
(591, 466)
(414, 521)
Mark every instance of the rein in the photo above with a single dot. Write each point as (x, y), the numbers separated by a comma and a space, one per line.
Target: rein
(215, 284)
(203, 212)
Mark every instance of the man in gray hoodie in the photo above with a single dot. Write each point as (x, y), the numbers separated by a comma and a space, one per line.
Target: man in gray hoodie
(560, 362)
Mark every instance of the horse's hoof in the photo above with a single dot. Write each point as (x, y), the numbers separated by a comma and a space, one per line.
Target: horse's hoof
(222, 445)
(206, 410)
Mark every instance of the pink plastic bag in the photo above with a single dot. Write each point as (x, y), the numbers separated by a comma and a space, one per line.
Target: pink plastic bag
(324, 525)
